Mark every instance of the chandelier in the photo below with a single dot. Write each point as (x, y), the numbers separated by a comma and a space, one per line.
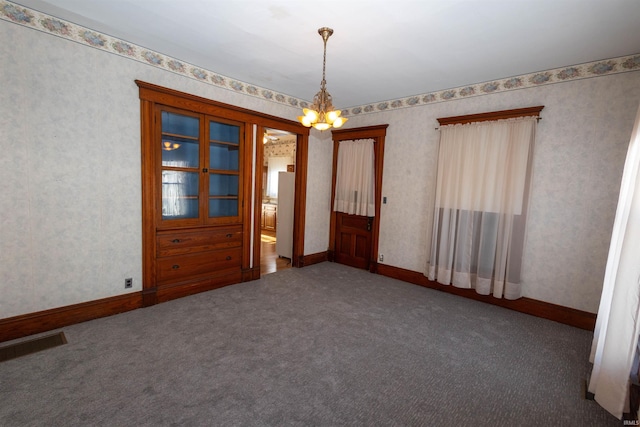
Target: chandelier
(321, 114)
(170, 146)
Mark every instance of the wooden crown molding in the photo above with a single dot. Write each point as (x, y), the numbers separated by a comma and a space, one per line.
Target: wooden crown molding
(494, 115)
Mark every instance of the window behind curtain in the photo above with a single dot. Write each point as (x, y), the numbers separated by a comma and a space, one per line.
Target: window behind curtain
(482, 183)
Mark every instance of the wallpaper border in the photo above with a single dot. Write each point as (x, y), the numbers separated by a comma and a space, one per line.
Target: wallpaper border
(30, 18)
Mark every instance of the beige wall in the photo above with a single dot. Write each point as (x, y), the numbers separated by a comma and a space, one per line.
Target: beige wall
(580, 150)
(70, 218)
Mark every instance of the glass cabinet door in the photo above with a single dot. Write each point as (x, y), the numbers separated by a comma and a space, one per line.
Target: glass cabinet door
(224, 169)
(180, 148)
(201, 168)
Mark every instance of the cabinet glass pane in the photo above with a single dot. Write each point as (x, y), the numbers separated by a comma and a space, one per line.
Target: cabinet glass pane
(179, 124)
(224, 132)
(179, 152)
(179, 142)
(179, 195)
(223, 157)
(223, 185)
(223, 207)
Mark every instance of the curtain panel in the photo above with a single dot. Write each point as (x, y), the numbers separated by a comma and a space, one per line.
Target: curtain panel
(355, 178)
(484, 170)
(615, 336)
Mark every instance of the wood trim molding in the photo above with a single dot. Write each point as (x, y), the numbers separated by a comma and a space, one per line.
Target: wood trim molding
(246, 182)
(250, 274)
(494, 115)
(149, 195)
(43, 321)
(316, 258)
(568, 316)
(257, 200)
(360, 133)
(300, 198)
(163, 95)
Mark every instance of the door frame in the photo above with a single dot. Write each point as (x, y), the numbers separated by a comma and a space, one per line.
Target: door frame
(300, 189)
(378, 134)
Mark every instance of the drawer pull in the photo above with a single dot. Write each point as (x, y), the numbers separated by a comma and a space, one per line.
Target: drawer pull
(175, 241)
(175, 266)
(229, 235)
(228, 258)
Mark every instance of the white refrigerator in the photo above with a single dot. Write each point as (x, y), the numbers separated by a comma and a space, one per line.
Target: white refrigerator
(284, 217)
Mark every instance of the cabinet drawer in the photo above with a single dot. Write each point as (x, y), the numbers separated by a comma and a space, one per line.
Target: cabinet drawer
(169, 243)
(183, 267)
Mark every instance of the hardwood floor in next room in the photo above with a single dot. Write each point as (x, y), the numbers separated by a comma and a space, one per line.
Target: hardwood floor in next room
(270, 262)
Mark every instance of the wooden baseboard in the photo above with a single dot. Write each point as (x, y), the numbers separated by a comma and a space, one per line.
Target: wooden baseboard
(316, 258)
(42, 321)
(558, 313)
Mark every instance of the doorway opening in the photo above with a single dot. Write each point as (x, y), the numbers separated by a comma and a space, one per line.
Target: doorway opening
(277, 206)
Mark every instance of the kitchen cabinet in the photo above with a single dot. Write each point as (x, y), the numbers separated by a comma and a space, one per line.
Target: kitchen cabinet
(269, 217)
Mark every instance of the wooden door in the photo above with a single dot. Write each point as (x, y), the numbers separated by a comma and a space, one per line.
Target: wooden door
(353, 240)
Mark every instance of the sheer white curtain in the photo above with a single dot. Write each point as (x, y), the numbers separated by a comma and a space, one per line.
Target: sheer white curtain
(355, 178)
(482, 185)
(616, 333)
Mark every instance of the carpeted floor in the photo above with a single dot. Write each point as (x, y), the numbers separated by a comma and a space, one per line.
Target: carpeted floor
(325, 345)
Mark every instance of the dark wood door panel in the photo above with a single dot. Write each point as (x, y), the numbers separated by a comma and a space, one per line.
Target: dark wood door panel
(344, 246)
(362, 246)
(353, 240)
(355, 222)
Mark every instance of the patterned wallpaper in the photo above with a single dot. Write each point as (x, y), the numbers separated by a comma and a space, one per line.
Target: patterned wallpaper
(71, 171)
(70, 219)
(581, 145)
(54, 26)
(279, 149)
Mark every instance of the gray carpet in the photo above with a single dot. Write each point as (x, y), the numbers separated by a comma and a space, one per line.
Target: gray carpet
(326, 345)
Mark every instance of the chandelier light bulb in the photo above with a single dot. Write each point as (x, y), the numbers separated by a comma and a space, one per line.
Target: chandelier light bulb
(321, 126)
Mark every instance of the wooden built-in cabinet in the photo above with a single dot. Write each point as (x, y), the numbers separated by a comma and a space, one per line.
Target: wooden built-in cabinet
(197, 168)
(195, 162)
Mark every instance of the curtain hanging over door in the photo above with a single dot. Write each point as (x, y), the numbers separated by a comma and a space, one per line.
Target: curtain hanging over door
(355, 178)
(618, 324)
(482, 192)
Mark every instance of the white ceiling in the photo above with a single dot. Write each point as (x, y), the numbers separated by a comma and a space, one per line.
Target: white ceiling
(380, 50)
